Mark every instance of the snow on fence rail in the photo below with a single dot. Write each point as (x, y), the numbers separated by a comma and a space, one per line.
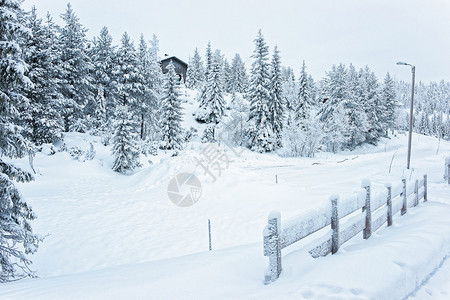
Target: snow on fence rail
(377, 209)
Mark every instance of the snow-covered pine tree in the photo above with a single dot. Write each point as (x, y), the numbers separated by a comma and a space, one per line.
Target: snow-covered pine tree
(129, 80)
(290, 91)
(155, 83)
(372, 105)
(99, 118)
(17, 238)
(354, 109)
(276, 103)
(261, 136)
(42, 119)
(149, 98)
(125, 141)
(76, 64)
(171, 112)
(239, 78)
(303, 107)
(214, 104)
(195, 76)
(388, 98)
(102, 55)
(204, 93)
(209, 60)
(332, 111)
(226, 74)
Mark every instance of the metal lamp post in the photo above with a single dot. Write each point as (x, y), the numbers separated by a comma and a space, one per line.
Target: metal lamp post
(413, 71)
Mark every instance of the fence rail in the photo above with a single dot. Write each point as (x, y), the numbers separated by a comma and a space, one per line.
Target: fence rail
(376, 210)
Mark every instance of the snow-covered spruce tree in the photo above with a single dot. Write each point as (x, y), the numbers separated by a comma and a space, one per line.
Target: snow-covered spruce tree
(372, 104)
(149, 98)
(76, 64)
(125, 142)
(17, 238)
(332, 111)
(276, 103)
(226, 75)
(155, 82)
(261, 136)
(388, 98)
(203, 95)
(171, 112)
(196, 72)
(238, 78)
(102, 55)
(290, 91)
(358, 124)
(303, 106)
(130, 82)
(213, 104)
(99, 119)
(42, 117)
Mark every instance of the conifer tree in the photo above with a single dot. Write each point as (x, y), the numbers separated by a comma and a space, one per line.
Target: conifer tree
(304, 99)
(276, 103)
(171, 112)
(42, 118)
(76, 64)
(17, 238)
(388, 98)
(195, 76)
(355, 111)
(261, 136)
(214, 104)
(125, 142)
(332, 111)
(130, 82)
(103, 59)
(238, 77)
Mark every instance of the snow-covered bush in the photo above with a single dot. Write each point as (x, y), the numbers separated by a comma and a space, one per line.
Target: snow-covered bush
(76, 152)
(90, 153)
(209, 134)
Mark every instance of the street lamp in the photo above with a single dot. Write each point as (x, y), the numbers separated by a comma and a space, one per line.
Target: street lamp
(413, 71)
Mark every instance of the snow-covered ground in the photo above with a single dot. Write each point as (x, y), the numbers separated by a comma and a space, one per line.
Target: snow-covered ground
(113, 236)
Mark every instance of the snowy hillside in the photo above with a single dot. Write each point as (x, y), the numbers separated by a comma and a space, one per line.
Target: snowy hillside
(114, 236)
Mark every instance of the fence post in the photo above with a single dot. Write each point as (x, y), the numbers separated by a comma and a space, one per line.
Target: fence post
(416, 193)
(404, 209)
(368, 229)
(334, 224)
(209, 234)
(425, 188)
(272, 247)
(447, 169)
(389, 204)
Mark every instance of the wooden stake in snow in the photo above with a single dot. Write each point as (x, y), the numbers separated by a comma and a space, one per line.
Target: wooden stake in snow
(209, 233)
(367, 232)
(447, 169)
(425, 188)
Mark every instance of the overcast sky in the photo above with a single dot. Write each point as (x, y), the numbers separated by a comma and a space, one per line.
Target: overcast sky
(323, 32)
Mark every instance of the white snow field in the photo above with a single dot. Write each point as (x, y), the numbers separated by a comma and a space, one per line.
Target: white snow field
(113, 236)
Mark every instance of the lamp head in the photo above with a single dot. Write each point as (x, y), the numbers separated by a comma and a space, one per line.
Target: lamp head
(402, 63)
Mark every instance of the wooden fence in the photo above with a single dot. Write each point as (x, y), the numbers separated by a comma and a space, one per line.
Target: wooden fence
(376, 210)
